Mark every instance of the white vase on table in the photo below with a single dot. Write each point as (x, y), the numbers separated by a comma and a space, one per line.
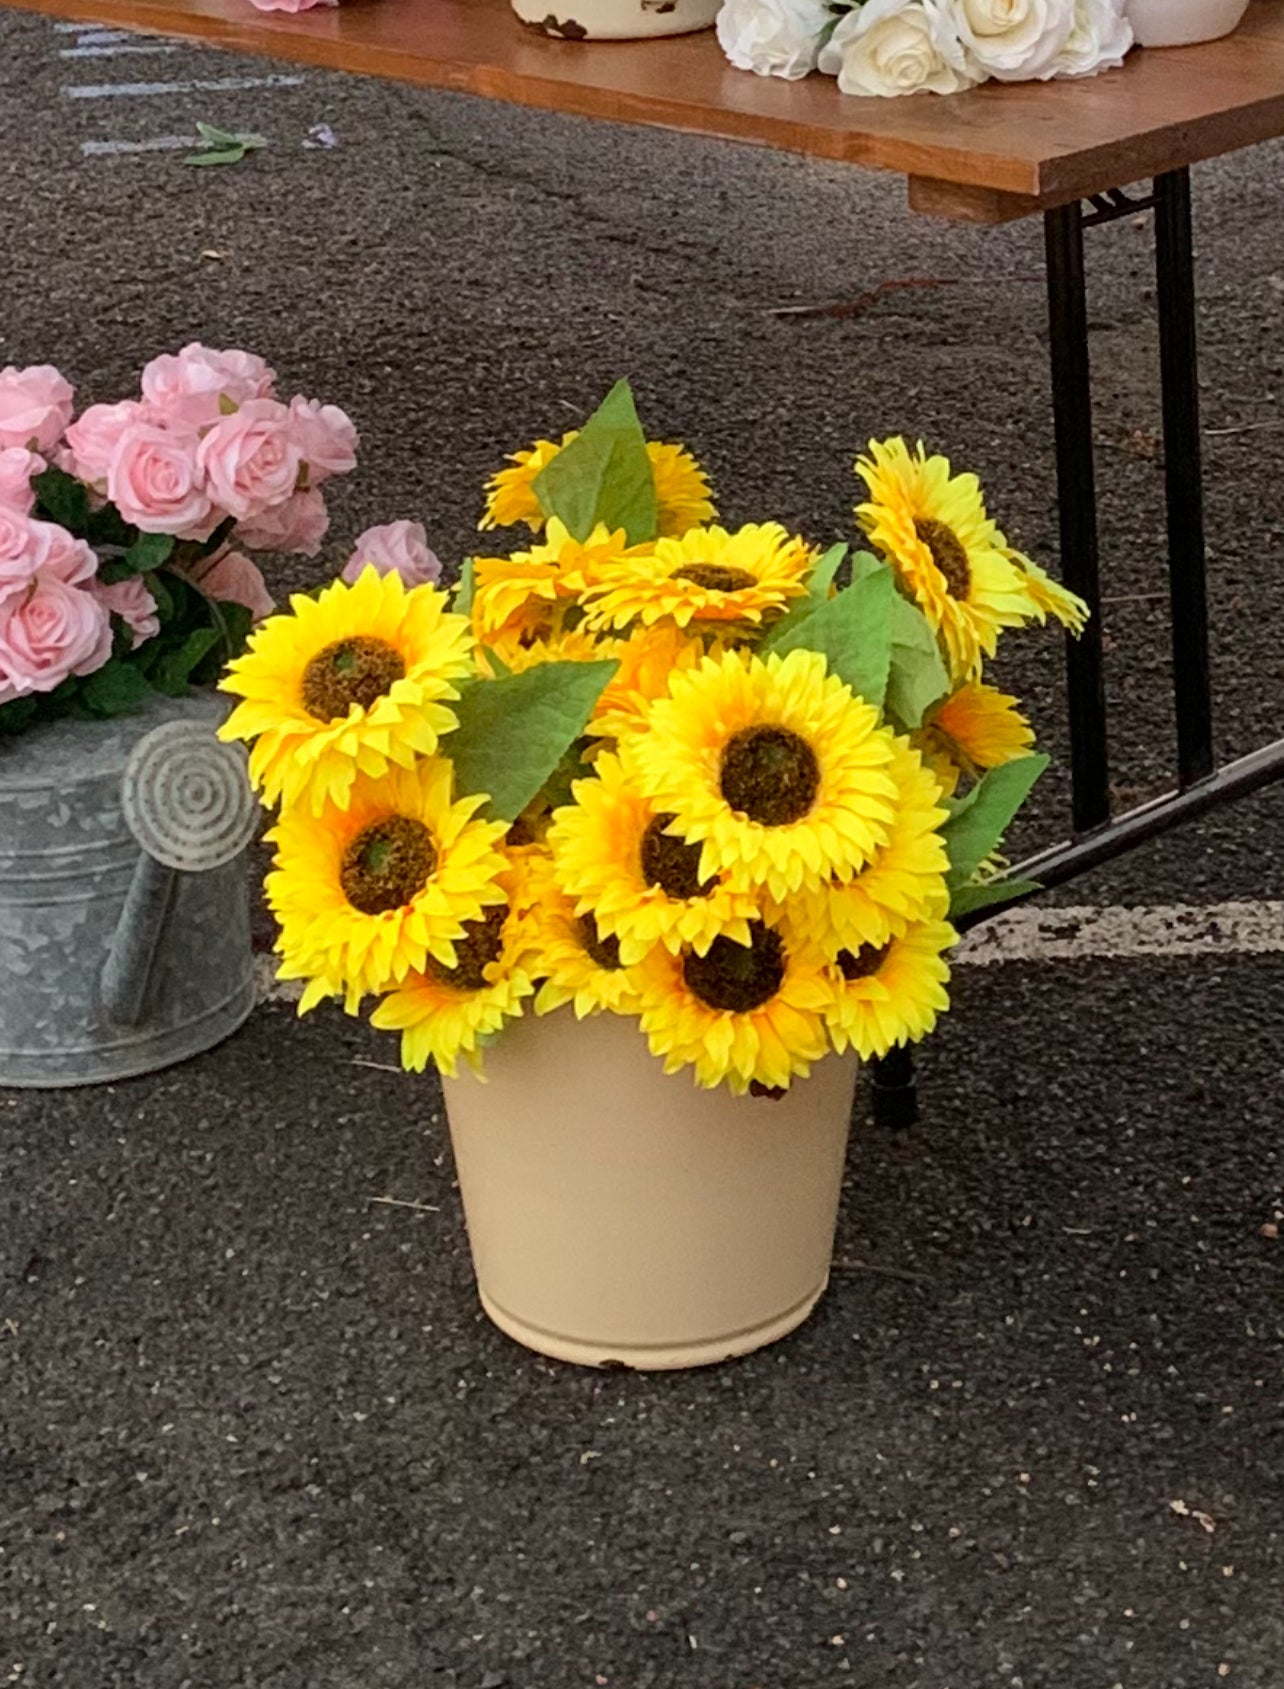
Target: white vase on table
(615, 20)
(1180, 23)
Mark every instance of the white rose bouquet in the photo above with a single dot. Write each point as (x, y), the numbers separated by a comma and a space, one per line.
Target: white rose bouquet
(884, 47)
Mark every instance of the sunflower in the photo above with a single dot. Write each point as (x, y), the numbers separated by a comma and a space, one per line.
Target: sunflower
(975, 728)
(572, 645)
(444, 1013)
(904, 880)
(682, 494)
(353, 679)
(526, 596)
(706, 579)
(749, 1014)
(367, 893)
(618, 860)
(648, 659)
(573, 958)
(772, 766)
(510, 493)
(933, 528)
(892, 993)
(1050, 597)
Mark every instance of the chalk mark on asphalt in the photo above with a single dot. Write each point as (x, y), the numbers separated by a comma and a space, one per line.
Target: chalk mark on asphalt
(1080, 933)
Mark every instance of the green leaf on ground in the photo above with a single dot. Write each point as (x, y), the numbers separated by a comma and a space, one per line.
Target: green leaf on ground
(604, 475)
(514, 732)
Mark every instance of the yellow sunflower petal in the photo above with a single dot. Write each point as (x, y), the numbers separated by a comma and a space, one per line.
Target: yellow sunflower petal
(707, 579)
(933, 528)
(772, 766)
(975, 728)
(367, 894)
(359, 678)
(740, 1015)
(443, 1014)
(889, 995)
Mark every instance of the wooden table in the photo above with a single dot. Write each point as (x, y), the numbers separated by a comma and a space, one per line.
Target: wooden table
(1064, 150)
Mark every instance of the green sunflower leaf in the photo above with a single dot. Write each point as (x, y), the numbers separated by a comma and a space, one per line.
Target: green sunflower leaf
(822, 576)
(967, 899)
(604, 475)
(462, 602)
(853, 632)
(918, 678)
(513, 732)
(978, 822)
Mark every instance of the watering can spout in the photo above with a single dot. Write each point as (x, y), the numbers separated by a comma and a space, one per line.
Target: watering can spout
(186, 800)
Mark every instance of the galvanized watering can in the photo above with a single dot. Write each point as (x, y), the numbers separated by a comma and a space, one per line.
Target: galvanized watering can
(124, 901)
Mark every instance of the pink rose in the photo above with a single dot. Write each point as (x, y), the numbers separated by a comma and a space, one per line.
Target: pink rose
(300, 524)
(131, 601)
(326, 436)
(155, 481)
(187, 387)
(251, 459)
(17, 468)
(29, 548)
(35, 407)
(48, 632)
(93, 436)
(398, 548)
(291, 5)
(233, 579)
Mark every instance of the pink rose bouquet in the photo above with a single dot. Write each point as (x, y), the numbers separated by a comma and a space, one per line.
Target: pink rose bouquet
(125, 530)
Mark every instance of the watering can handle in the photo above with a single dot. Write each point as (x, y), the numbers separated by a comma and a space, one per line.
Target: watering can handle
(187, 801)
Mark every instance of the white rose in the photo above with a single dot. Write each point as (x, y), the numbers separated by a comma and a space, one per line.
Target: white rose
(1099, 40)
(1013, 40)
(898, 47)
(774, 37)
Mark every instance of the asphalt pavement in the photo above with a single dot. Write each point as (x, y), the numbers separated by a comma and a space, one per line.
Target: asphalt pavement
(253, 1429)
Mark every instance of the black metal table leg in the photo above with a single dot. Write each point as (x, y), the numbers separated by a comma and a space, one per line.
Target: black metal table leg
(1183, 476)
(1077, 508)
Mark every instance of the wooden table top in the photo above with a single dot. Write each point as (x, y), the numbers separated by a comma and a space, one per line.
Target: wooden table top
(994, 153)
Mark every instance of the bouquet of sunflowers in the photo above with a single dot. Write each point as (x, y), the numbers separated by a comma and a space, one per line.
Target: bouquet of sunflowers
(722, 782)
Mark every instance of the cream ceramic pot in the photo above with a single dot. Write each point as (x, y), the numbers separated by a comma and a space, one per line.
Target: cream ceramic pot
(615, 20)
(1180, 23)
(621, 1216)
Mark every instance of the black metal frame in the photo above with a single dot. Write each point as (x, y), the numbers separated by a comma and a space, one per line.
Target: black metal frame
(1097, 837)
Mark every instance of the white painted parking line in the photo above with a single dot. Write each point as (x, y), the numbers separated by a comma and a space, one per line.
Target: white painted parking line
(100, 37)
(1077, 933)
(154, 143)
(149, 90)
(1072, 934)
(124, 49)
(115, 50)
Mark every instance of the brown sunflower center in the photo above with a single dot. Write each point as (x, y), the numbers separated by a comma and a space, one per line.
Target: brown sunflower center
(672, 864)
(604, 951)
(482, 943)
(770, 774)
(715, 577)
(947, 553)
(387, 864)
(351, 671)
(738, 978)
(860, 964)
